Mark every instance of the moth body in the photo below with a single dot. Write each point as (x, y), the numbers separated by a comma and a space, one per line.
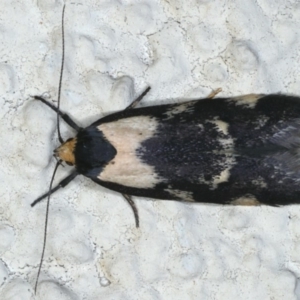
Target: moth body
(241, 150)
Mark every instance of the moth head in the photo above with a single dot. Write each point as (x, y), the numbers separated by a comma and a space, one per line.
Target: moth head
(65, 151)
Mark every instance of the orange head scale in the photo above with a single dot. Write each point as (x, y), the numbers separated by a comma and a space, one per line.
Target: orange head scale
(66, 151)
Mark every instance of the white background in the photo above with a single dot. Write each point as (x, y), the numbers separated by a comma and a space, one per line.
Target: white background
(183, 49)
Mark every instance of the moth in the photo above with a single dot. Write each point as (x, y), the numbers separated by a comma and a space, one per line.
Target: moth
(236, 150)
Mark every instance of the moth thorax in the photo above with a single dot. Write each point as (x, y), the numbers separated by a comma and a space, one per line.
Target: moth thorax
(65, 151)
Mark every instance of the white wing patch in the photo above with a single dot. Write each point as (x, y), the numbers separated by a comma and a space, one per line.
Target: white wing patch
(247, 100)
(180, 108)
(227, 143)
(127, 135)
(221, 125)
(247, 200)
(183, 195)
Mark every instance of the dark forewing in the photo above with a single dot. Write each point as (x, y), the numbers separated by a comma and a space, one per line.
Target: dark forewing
(226, 150)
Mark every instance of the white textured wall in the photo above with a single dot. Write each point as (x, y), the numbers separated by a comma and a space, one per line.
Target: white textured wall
(183, 49)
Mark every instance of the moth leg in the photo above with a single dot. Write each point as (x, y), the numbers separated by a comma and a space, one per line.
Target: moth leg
(62, 184)
(138, 99)
(135, 211)
(64, 116)
(214, 93)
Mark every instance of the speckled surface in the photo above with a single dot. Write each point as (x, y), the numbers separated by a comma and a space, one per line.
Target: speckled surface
(114, 49)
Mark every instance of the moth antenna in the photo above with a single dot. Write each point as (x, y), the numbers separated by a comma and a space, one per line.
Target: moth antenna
(61, 141)
(61, 71)
(45, 228)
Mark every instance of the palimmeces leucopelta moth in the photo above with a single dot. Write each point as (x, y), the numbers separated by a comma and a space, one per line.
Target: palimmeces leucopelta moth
(237, 150)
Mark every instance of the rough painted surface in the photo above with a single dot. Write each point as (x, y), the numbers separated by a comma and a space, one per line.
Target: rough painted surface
(183, 49)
